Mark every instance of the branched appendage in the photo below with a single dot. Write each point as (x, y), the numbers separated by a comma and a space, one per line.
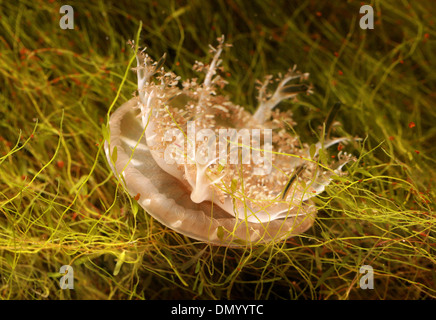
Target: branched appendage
(151, 93)
(200, 181)
(321, 181)
(209, 81)
(143, 67)
(283, 91)
(211, 70)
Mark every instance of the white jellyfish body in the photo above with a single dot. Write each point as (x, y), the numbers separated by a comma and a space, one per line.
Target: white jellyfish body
(208, 168)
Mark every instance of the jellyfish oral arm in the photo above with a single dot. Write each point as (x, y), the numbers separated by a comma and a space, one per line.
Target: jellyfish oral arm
(282, 92)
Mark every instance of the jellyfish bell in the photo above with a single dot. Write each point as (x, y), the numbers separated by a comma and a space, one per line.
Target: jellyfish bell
(225, 199)
(168, 199)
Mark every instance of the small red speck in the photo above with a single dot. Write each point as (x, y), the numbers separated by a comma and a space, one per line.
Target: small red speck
(417, 152)
(401, 61)
(313, 191)
(340, 72)
(228, 74)
(177, 63)
(213, 28)
(360, 180)
(392, 138)
(60, 164)
(318, 14)
(276, 37)
(412, 124)
(137, 196)
(74, 216)
(32, 136)
(336, 54)
(423, 234)
(426, 35)
(123, 50)
(333, 156)
(340, 147)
